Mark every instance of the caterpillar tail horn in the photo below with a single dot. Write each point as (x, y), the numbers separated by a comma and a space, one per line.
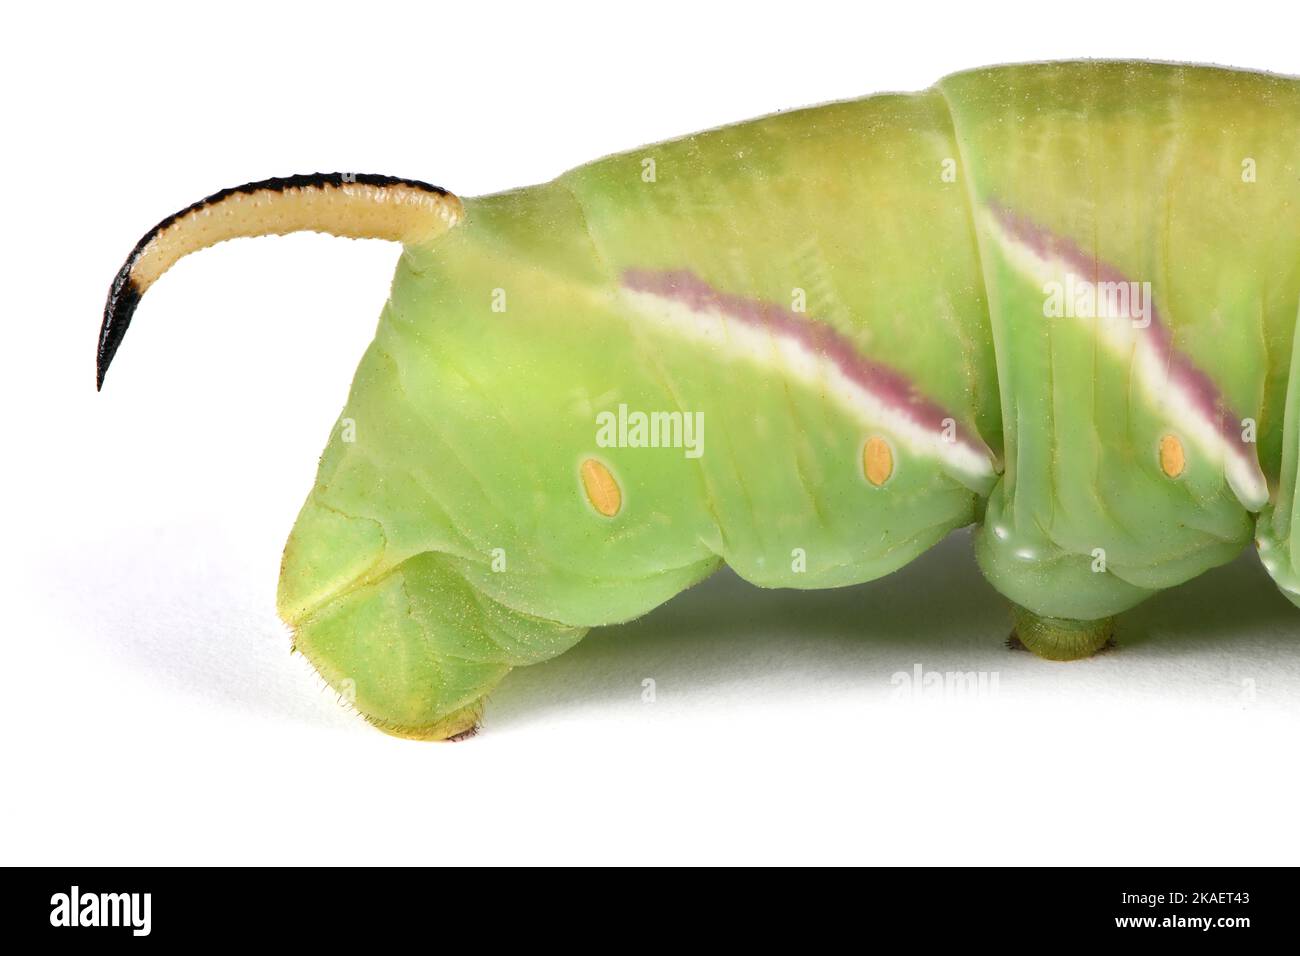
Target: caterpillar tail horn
(358, 206)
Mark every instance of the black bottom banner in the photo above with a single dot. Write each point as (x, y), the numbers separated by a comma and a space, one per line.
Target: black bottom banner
(334, 907)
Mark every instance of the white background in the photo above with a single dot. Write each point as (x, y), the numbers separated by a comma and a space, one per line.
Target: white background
(149, 708)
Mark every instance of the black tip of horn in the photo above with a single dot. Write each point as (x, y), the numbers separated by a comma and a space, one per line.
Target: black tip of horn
(123, 297)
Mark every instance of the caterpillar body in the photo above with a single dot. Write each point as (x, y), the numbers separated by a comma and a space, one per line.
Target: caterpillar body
(1057, 301)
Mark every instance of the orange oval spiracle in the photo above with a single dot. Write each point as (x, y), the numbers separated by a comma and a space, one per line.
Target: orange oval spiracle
(877, 461)
(601, 488)
(1173, 460)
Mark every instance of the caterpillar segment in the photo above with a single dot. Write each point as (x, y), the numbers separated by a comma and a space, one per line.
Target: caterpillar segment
(807, 347)
(1142, 283)
(1279, 547)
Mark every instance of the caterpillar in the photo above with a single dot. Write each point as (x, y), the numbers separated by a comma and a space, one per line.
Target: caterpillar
(1054, 301)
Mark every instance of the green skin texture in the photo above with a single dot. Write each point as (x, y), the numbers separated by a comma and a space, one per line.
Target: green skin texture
(469, 426)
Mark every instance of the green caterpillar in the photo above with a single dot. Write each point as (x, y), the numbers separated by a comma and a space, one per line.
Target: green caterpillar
(1058, 301)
